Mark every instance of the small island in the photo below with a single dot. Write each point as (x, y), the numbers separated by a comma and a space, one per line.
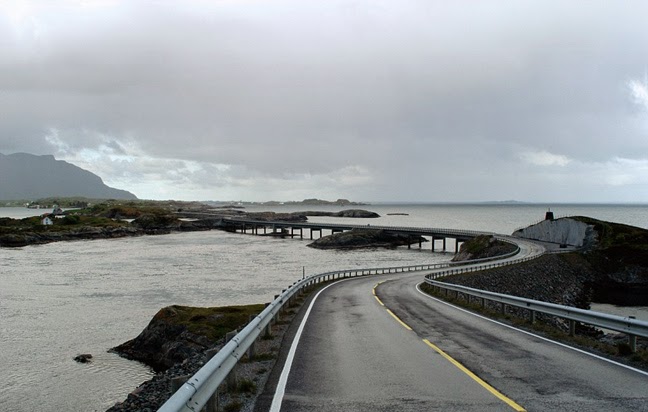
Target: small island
(366, 238)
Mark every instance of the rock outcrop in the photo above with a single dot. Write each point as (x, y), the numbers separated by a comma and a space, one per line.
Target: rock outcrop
(366, 238)
(482, 247)
(564, 231)
(177, 333)
(611, 266)
(26, 238)
(19, 236)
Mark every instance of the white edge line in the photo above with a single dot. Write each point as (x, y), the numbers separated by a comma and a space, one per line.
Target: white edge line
(531, 334)
(283, 379)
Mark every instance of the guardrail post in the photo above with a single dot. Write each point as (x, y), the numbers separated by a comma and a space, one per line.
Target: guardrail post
(532, 316)
(632, 341)
(251, 352)
(178, 381)
(267, 331)
(212, 403)
(231, 377)
(276, 315)
(572, 327)
(503, 308)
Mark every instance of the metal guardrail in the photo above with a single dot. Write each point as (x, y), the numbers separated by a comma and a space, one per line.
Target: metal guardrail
(197, 391)
(603, 320)
(630, 326)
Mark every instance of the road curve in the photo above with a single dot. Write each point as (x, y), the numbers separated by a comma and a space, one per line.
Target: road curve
(354, 354)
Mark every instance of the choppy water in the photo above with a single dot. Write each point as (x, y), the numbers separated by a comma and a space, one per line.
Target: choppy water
(62, 299)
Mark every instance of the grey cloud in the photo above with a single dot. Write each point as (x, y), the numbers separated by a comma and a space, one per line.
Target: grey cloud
(290, 88)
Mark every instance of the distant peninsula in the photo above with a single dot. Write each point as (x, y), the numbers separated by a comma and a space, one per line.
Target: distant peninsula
(27, 177)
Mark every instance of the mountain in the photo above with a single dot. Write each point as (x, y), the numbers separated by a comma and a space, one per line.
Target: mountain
(27, 176)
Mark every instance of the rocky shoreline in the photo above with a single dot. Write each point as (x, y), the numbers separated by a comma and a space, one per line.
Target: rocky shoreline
(113, 226)
(182, 354)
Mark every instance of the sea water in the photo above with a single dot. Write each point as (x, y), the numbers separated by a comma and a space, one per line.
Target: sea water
(62, 299)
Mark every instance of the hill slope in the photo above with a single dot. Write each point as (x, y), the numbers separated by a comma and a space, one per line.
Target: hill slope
(27, 176)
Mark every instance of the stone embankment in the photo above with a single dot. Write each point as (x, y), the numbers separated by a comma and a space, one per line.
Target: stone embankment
(617, 255)
(562, 279)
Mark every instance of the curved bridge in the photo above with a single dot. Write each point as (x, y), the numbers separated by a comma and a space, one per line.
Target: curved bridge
(296, 229)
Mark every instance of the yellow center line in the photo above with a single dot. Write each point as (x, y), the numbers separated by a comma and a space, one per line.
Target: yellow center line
(476, 378)
(405, 325)
(374, 293)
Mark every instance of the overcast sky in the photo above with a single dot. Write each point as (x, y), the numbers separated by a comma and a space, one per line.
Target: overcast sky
(367, 100)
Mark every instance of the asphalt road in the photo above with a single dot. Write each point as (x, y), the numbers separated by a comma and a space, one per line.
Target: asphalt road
(353, 355)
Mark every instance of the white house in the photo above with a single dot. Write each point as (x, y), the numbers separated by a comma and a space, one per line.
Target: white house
(46, 220)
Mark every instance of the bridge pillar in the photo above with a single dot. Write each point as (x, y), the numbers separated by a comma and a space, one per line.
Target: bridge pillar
(432, 243)
(301, 232)
(444, 243)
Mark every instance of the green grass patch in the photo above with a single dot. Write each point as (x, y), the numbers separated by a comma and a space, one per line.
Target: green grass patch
(213, 322)
(246, 386)
(233, 406)
(263, 357)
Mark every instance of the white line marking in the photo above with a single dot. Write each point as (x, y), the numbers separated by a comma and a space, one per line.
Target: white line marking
(532, 334)
(283, 379)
